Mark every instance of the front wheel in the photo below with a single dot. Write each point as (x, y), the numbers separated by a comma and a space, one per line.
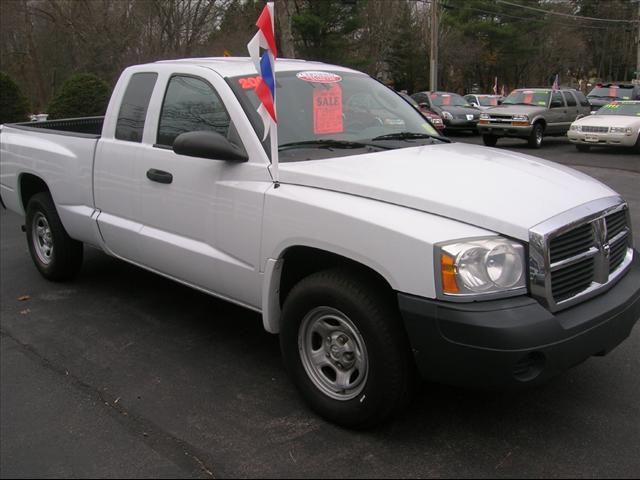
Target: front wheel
(536, 136)
(490, 140)
(57, 256)
(344, 347)
(583, 148)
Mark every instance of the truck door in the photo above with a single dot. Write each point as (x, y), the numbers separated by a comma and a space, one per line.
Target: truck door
(558, 115)
(114, 180)
(201, 218)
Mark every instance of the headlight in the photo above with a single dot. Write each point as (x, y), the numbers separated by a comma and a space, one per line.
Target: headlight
(576, 128)
(619, 130)
(446, 115)
(474, 268)
(485, 116)
(520, 118)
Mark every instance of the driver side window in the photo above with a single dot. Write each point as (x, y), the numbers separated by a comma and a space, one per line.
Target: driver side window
(190, 104)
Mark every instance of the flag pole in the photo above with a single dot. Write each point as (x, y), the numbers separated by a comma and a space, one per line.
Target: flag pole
(273, 133)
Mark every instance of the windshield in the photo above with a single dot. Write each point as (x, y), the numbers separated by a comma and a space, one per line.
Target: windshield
(539, 98)
(631, 109)
(448, 99)
(613, 92)
(336, 113)
(488, 101)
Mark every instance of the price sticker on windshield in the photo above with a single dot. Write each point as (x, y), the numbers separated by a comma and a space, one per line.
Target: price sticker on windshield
(327, 110)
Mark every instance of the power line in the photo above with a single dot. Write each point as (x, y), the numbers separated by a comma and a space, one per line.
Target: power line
(576, 17)
(506, 15)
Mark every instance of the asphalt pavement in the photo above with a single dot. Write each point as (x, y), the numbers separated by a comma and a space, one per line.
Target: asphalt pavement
(122, 373)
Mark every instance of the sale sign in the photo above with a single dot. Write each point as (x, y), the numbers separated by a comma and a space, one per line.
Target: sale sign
(327, 110)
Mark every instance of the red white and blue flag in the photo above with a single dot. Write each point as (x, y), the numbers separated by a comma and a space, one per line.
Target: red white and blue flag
(265, 65)
(555, 87)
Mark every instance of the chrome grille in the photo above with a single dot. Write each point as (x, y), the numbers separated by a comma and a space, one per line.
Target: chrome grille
(572, 280)
(588, 129)
(579, 253)
(571, 243)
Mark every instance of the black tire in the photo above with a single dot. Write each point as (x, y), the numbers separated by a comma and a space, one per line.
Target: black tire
(536, 136)
(65, 254)
(490, 140)
(390, 378)
(583, 148)
(637, 147)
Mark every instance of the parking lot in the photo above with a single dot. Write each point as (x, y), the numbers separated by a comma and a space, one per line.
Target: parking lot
(123, 373)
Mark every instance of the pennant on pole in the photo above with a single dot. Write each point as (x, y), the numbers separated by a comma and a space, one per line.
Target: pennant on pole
(265, 65)
(555, 87)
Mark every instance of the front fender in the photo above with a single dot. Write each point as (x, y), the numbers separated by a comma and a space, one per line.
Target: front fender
(394, 241)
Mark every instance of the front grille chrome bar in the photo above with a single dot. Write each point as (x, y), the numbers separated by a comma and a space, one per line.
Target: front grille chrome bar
(591, 264)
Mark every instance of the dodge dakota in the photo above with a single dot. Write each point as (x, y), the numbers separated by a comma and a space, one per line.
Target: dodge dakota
(380, 253)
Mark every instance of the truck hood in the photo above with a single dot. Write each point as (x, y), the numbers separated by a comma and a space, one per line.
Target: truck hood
(623, 121)
(493, 189)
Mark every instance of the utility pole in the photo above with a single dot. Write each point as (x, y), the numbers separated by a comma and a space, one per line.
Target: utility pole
(638, 46)
(433, 64)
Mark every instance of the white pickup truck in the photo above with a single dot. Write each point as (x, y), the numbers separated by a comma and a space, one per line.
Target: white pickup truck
(382, 251)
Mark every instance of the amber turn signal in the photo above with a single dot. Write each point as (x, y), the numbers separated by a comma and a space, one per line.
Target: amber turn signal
(448, 270)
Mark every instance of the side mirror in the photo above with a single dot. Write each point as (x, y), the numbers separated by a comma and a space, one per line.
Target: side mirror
(208, 144)
(474, 104)
(556, 104)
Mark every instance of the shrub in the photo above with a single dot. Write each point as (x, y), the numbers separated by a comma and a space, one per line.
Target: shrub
(82, 95)
(14, 106)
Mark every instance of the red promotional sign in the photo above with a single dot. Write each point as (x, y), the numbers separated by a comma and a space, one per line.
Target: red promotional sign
(327, 110)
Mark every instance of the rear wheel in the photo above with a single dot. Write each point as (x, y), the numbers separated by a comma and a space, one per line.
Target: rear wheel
(583, 148)
(490, 140)
(56, 255)
(637, 147)
(344, 347)
(536, 136)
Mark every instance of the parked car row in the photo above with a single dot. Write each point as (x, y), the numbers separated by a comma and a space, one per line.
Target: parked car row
(534, 113)
(615, 124)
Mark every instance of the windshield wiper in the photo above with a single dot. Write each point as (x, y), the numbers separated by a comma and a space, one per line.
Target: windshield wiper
(406, 136)
(326, 143)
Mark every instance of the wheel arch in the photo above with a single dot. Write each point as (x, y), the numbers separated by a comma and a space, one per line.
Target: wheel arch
(299, 261)
(28, 186)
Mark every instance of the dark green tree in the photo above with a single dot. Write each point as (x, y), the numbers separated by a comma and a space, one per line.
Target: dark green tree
(13, 104)
(407, 58)
(82, 95)
(326, 31)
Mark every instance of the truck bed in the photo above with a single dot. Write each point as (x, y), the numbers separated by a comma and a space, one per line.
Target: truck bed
(61, 153)
(86, 126)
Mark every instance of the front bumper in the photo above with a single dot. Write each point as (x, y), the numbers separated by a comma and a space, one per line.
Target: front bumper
(460, 124)
(613, 139)
(515, 342)
(505, 130)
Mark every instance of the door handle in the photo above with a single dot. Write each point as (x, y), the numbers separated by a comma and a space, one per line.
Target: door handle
(159, 176)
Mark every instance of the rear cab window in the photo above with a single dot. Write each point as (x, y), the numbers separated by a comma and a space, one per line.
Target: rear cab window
(133, 109)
